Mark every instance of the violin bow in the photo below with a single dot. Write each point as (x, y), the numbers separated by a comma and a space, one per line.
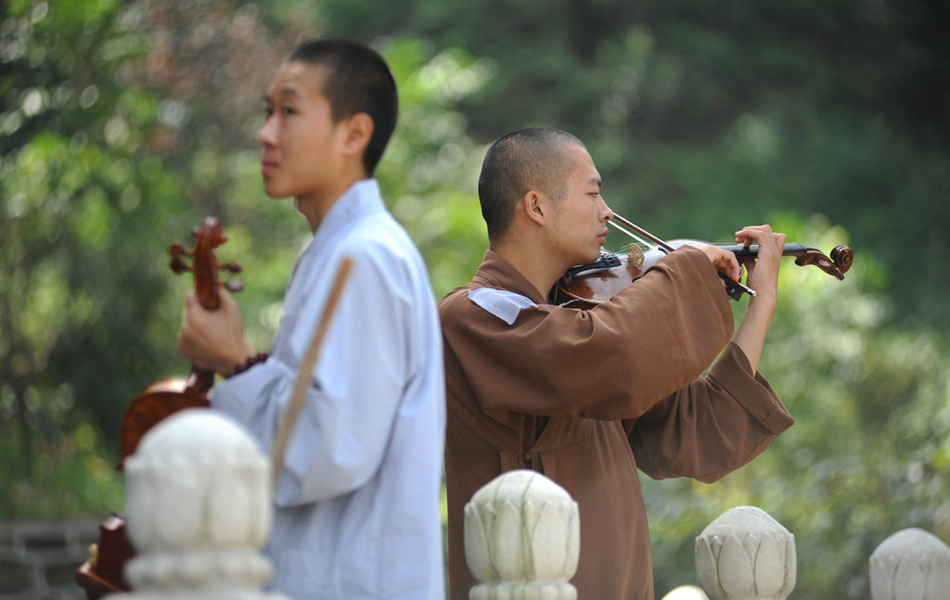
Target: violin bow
(733, 287)
(305, 374)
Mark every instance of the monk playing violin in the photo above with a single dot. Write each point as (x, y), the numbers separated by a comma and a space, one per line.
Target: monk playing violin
(589, 396)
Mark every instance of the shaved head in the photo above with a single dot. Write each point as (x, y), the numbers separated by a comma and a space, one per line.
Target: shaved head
(516, 163)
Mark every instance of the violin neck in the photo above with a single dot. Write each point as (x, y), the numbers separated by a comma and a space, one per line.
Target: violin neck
(791, 249)
(200, 381)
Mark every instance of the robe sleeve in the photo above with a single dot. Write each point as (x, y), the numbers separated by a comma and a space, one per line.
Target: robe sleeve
(713, 426)
(344, 427)
(614, 361)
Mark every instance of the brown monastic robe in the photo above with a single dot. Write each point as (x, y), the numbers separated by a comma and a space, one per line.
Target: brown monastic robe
(588, 396)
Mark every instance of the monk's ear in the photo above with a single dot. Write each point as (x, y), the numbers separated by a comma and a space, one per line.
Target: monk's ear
(535, 206)
(357, 130)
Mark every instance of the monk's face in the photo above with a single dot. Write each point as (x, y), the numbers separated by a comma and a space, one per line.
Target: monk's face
(580, 218)
(299, 140)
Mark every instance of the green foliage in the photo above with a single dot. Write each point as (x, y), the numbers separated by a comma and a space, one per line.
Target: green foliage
(430, 172)
(704, 116)
(94, 188)
(75, 219)
(70, 475)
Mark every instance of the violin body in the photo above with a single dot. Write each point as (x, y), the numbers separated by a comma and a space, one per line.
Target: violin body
(157, 402)
(586, 286)
(102, 573)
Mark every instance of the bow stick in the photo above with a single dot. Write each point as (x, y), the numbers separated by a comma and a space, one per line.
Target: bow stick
(304, 376)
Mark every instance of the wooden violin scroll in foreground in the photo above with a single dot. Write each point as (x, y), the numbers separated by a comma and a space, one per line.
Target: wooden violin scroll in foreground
(167, 396)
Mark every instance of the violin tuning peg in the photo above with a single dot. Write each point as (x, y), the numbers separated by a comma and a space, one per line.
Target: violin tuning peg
(178, 266)
(231, 267)
(234, 285)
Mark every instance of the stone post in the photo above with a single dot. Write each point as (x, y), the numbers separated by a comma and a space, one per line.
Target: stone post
(745, 554)
(910, 565)
(686, 592)
(198, 511)
(522, 539)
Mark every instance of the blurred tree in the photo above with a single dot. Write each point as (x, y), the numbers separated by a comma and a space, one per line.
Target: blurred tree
(101, 167)
(705, 116)
(70, 176)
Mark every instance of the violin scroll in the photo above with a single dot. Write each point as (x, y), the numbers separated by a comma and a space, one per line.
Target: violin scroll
(208, 236)
(837, 265)
(167, 396)
(840, 260)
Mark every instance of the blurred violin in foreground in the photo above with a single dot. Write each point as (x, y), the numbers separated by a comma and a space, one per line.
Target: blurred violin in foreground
(586, 286)
(102, 573)
(167, 396)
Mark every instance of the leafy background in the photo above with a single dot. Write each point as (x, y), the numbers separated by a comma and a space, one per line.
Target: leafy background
(124, 123)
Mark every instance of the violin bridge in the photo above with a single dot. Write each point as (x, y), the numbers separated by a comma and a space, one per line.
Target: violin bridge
(635, 256)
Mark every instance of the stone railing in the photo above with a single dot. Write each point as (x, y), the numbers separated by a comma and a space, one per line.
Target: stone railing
(199, 511)
(522, 535)
(38, 558)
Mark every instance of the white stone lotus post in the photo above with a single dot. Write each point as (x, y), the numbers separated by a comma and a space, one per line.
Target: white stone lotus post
(198, 510)
(686, 592)
(522, 539)
(910, 565)
(745, 554)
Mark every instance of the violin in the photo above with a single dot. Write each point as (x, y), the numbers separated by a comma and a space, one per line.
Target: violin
(168, 396)
(102, 573)
(586, 286)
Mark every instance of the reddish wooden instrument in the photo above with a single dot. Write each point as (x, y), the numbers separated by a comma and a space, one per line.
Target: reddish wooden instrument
(102, 573)
(167, 396)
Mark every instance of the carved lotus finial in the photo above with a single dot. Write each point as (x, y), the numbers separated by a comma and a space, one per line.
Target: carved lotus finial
(745, 554)
(198, 509)
(522, 532)
(911, 564)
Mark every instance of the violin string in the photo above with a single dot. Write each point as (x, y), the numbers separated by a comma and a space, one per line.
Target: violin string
(643, 232)
(646, 243)
(629, 233)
